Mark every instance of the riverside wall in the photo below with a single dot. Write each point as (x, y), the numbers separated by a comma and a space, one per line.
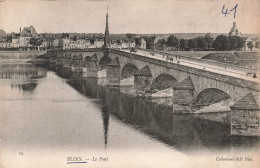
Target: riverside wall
(19, 56)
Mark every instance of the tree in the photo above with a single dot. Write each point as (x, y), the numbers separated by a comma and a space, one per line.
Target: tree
(240, 43)
(150, 42)
(118, 41)
(209, 40)
(161, 44)
(221, 43)
(183, 44)
(172, 41)
(130, 36)
(250, 45)
(36, 41)
(65, 35)
(192, 43)
(201, 43)
(236, 43)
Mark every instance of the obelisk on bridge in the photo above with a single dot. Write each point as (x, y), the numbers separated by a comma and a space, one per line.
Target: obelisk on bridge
(106, 38)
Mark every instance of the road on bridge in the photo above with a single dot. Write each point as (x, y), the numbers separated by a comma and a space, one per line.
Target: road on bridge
(198, 65)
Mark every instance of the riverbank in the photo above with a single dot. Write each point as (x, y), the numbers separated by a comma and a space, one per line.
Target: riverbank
(39, 61)
(19, 56)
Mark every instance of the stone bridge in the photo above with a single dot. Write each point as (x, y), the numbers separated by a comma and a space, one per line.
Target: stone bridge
(187, 85)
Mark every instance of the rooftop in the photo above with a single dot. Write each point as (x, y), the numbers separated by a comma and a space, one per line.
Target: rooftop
(29, 32)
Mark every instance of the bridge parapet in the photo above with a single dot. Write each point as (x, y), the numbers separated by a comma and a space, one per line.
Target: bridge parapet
(254, 85)
(251, 84)
(227, 67)
(78, 50)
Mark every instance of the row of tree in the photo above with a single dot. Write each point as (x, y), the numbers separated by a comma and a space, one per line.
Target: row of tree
(36, 41)
(199, 43)
(232, 43)
(221, 43)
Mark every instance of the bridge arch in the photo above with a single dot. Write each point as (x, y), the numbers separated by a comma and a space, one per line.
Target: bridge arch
(103, 62)
(210, 96)
(86, 61)
(128, 71)
(87, 58)
(163, 81)
(77, 60)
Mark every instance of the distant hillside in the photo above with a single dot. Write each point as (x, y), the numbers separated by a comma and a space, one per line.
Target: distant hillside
(123, 36)
(178, 35)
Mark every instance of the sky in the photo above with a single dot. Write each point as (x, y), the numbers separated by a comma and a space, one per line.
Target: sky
(130, 16)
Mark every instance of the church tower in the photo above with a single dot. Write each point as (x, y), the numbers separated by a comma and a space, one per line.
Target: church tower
(106, 38)
(234, 31)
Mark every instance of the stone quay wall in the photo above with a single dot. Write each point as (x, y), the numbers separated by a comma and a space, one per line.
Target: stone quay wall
(19, 56)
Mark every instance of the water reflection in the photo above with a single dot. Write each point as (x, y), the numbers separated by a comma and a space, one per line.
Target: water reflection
(21, 71)
(25, 87)
(99, 117)
(22, 76)
(105, 117)
(155, 118)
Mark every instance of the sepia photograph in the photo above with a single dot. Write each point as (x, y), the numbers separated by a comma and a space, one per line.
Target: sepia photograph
(129, 84)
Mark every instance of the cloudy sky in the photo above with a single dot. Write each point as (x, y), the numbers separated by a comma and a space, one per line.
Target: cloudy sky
(129, 16)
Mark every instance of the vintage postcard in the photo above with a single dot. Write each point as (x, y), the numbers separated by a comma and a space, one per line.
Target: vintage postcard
(129, 84)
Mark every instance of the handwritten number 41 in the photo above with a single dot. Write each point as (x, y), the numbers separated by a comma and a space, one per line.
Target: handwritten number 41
(226, 12)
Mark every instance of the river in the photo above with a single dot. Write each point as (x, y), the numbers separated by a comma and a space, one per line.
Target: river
(48, 118)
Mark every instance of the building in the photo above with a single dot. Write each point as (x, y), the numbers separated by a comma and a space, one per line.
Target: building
(26, 34)
(140, 43)
(10, 41)
(115, 44)
(99, 42)
(249, 42)
(65, 43)
(88, 43)
(131, 44)
(72, 44)
(22, 40)
(15, 40)
(124, 44)
(82, 43)
(55, 43)
(5, 45)
(44, 44)
(234, 31)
